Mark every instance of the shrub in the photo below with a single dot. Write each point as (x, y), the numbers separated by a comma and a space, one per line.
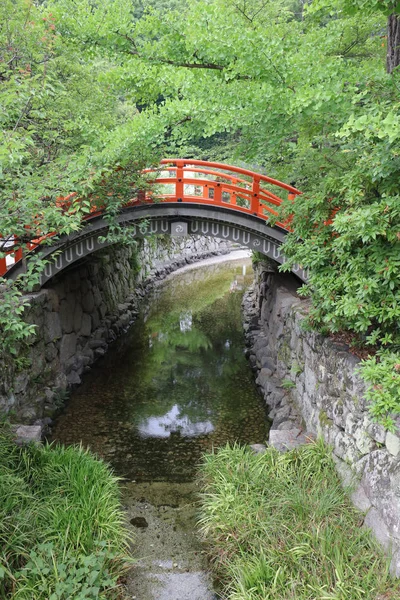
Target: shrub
(61, 525)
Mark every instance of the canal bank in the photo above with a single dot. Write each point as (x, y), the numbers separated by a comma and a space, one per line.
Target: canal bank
(312, 387)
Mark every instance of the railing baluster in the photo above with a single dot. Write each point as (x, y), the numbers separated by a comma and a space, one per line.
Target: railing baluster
(218, 193)
(179, 186)
(18, 254)
(255, 201)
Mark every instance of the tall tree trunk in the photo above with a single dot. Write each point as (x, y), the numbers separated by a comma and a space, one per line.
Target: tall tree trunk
(393, 42)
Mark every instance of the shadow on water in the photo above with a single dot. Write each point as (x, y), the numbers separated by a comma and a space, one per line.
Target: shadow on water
(176, 385)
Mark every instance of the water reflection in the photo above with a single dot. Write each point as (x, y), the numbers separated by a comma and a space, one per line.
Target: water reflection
(173, 422)
(176, 385)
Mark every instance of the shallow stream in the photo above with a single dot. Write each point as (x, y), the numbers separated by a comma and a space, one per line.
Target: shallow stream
(176, 385)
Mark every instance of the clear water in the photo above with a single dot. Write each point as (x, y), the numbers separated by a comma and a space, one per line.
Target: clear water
(176, 385)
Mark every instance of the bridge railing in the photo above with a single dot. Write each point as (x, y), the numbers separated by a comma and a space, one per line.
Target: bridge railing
(221, 185)
(192, 181)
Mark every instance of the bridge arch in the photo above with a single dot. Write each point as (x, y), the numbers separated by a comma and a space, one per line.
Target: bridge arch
(161, 219)
(196, 198)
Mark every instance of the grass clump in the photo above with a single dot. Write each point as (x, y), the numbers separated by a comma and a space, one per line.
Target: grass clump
(281, 527)
(61, 527)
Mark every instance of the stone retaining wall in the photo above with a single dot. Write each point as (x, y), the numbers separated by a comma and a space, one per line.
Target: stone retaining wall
(81, 312)
(311, 385)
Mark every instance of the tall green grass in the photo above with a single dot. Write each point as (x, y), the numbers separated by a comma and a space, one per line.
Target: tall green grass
(61, 526)
(280, 526)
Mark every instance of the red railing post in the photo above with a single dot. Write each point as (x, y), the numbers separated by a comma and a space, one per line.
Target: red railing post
(179, 186)
(3, 266)
(233, 198)
(18, 254)
(255, 201)
(141, 196)
(218, 193)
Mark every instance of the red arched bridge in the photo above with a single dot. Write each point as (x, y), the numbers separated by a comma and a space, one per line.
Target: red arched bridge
(192, 197)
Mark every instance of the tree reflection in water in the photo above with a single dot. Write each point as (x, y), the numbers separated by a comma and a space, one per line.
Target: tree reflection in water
(177, 384)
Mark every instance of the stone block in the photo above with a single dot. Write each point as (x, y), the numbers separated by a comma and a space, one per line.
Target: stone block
(363, 442)
(267, 362)
(263, 377)
(70, 365)
(88, 302)
(282, 414)
(345, 472)
(67, 316)
(73, 378)
(78, 316)
(258, 448)
(88, 352)
(360, 499)
(392, 443)
(52, 327)
(94, 344)
(374, 521)
(21, 382)
(351, 424)
(38, 361)
(395, 562)
(376, 475)
(95, 319)
(53, 300)
(86, 327)
(26, 434)
(339, 443)
(288, 425)
(67, 347)
(100, 334)
(310, 380)
(29, 414)
(339, 413)
(50, 352)
(99, 352)
(377, 432)
(352, 453)
(287, 440)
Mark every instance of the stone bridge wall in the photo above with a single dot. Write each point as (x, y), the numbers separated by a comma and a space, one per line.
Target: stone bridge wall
(311, 382)
(81, 312)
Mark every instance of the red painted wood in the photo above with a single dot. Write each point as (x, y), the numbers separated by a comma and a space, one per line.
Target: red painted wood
(245, 194)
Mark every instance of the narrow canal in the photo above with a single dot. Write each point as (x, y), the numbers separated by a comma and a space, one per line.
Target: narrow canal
(176, 385)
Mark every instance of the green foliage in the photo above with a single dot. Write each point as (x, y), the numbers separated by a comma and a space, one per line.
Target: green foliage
(382, 373)
(257, 257)
(287, 384)
(281, 526)
(61, 527)
(355, 6)
(12, 327)
(61, 130)
(49, 574)
(296, 369)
